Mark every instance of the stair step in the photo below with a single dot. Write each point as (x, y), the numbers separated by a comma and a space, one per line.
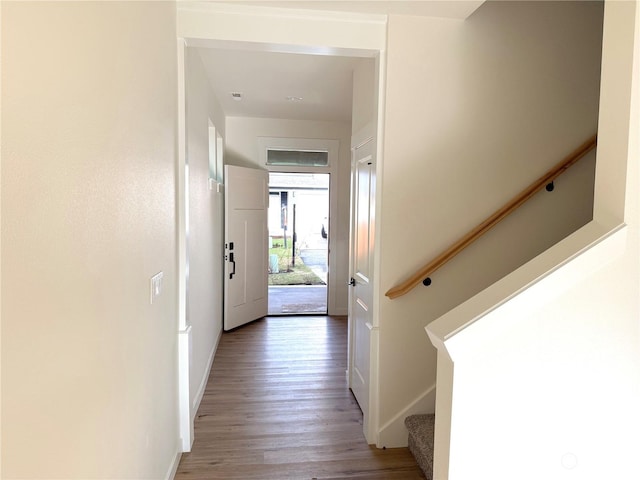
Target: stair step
(421, 431)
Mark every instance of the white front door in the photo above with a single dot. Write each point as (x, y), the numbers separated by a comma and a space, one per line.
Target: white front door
(361, 295)
(246, 246)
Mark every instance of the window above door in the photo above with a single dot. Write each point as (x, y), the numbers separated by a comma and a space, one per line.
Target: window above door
(298, 158)
(298, 154)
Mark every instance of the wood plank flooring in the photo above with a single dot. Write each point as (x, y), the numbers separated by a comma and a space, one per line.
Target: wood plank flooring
(277, 407)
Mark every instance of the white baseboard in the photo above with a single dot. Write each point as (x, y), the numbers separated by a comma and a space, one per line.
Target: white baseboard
(184, 365)
(173, 468)
(394, 433)
(203, 382)
(340, 312)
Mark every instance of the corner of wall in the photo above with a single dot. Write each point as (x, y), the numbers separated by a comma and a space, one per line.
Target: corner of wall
(394, 433)
(205, 377)
(173, 467)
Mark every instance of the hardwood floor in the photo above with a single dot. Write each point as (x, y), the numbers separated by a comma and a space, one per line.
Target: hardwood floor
(277, 407)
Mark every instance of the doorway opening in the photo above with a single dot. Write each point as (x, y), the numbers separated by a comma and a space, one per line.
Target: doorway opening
(298, 223)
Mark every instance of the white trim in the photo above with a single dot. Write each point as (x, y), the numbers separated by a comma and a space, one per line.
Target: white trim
(381, 70)
(195, 405)
(185, 427)
(291, 14)
(181, 185)
(279, 48)
(321, 144)
(184, 369)
(370, 422)
(350, 323)
(173, 467)
(373, 130)
(302, 144)
(206, 24)
(442, 427)
(394, 433)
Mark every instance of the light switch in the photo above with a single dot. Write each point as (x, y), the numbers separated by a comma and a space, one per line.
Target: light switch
(156, 285)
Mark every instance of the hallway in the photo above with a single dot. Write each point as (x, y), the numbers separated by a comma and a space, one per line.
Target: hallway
(277, 407)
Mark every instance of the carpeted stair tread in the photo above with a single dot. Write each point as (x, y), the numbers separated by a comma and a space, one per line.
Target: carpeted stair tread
(421, 431)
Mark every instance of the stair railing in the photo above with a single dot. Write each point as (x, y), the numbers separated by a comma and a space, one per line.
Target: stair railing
(546, 180)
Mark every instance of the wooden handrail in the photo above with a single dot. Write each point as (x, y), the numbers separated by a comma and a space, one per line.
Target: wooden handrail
(493, 220)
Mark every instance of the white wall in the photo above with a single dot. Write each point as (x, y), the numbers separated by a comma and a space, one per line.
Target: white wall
(547, 385)
(475, 111)
(242, 149)
(364, 95)
(206, 227)
(88, 216)
(281, 29)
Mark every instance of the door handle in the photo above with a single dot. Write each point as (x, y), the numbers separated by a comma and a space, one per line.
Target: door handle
(231, 260)
(352, 282)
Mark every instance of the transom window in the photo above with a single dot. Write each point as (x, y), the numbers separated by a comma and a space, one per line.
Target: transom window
(297, 158)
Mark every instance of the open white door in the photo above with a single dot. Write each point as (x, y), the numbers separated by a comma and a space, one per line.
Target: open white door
(246, 246)
(361, 326)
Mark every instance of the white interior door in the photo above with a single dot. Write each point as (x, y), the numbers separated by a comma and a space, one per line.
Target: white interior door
(361, 295)
(246, 246)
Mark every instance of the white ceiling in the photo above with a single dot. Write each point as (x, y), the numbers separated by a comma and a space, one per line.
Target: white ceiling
(266, 79)
(324, 83)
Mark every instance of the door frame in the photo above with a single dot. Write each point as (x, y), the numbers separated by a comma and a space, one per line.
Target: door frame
(332, 146)
(185, 426)
(329, 263)
(240, 27)
(371, 420)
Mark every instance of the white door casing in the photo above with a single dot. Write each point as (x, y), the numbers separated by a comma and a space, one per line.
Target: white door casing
(369, 41)
(361, 294)
(246, 245)
(332, 146)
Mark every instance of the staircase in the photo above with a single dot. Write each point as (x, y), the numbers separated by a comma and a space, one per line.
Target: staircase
(421, 428)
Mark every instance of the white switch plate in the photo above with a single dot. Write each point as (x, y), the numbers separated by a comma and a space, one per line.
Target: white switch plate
(156, 285)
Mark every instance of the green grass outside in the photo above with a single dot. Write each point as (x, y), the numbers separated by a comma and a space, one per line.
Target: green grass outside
(298, 274)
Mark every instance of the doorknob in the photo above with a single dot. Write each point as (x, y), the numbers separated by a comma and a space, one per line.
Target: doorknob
(352, 282)
(232, 260)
